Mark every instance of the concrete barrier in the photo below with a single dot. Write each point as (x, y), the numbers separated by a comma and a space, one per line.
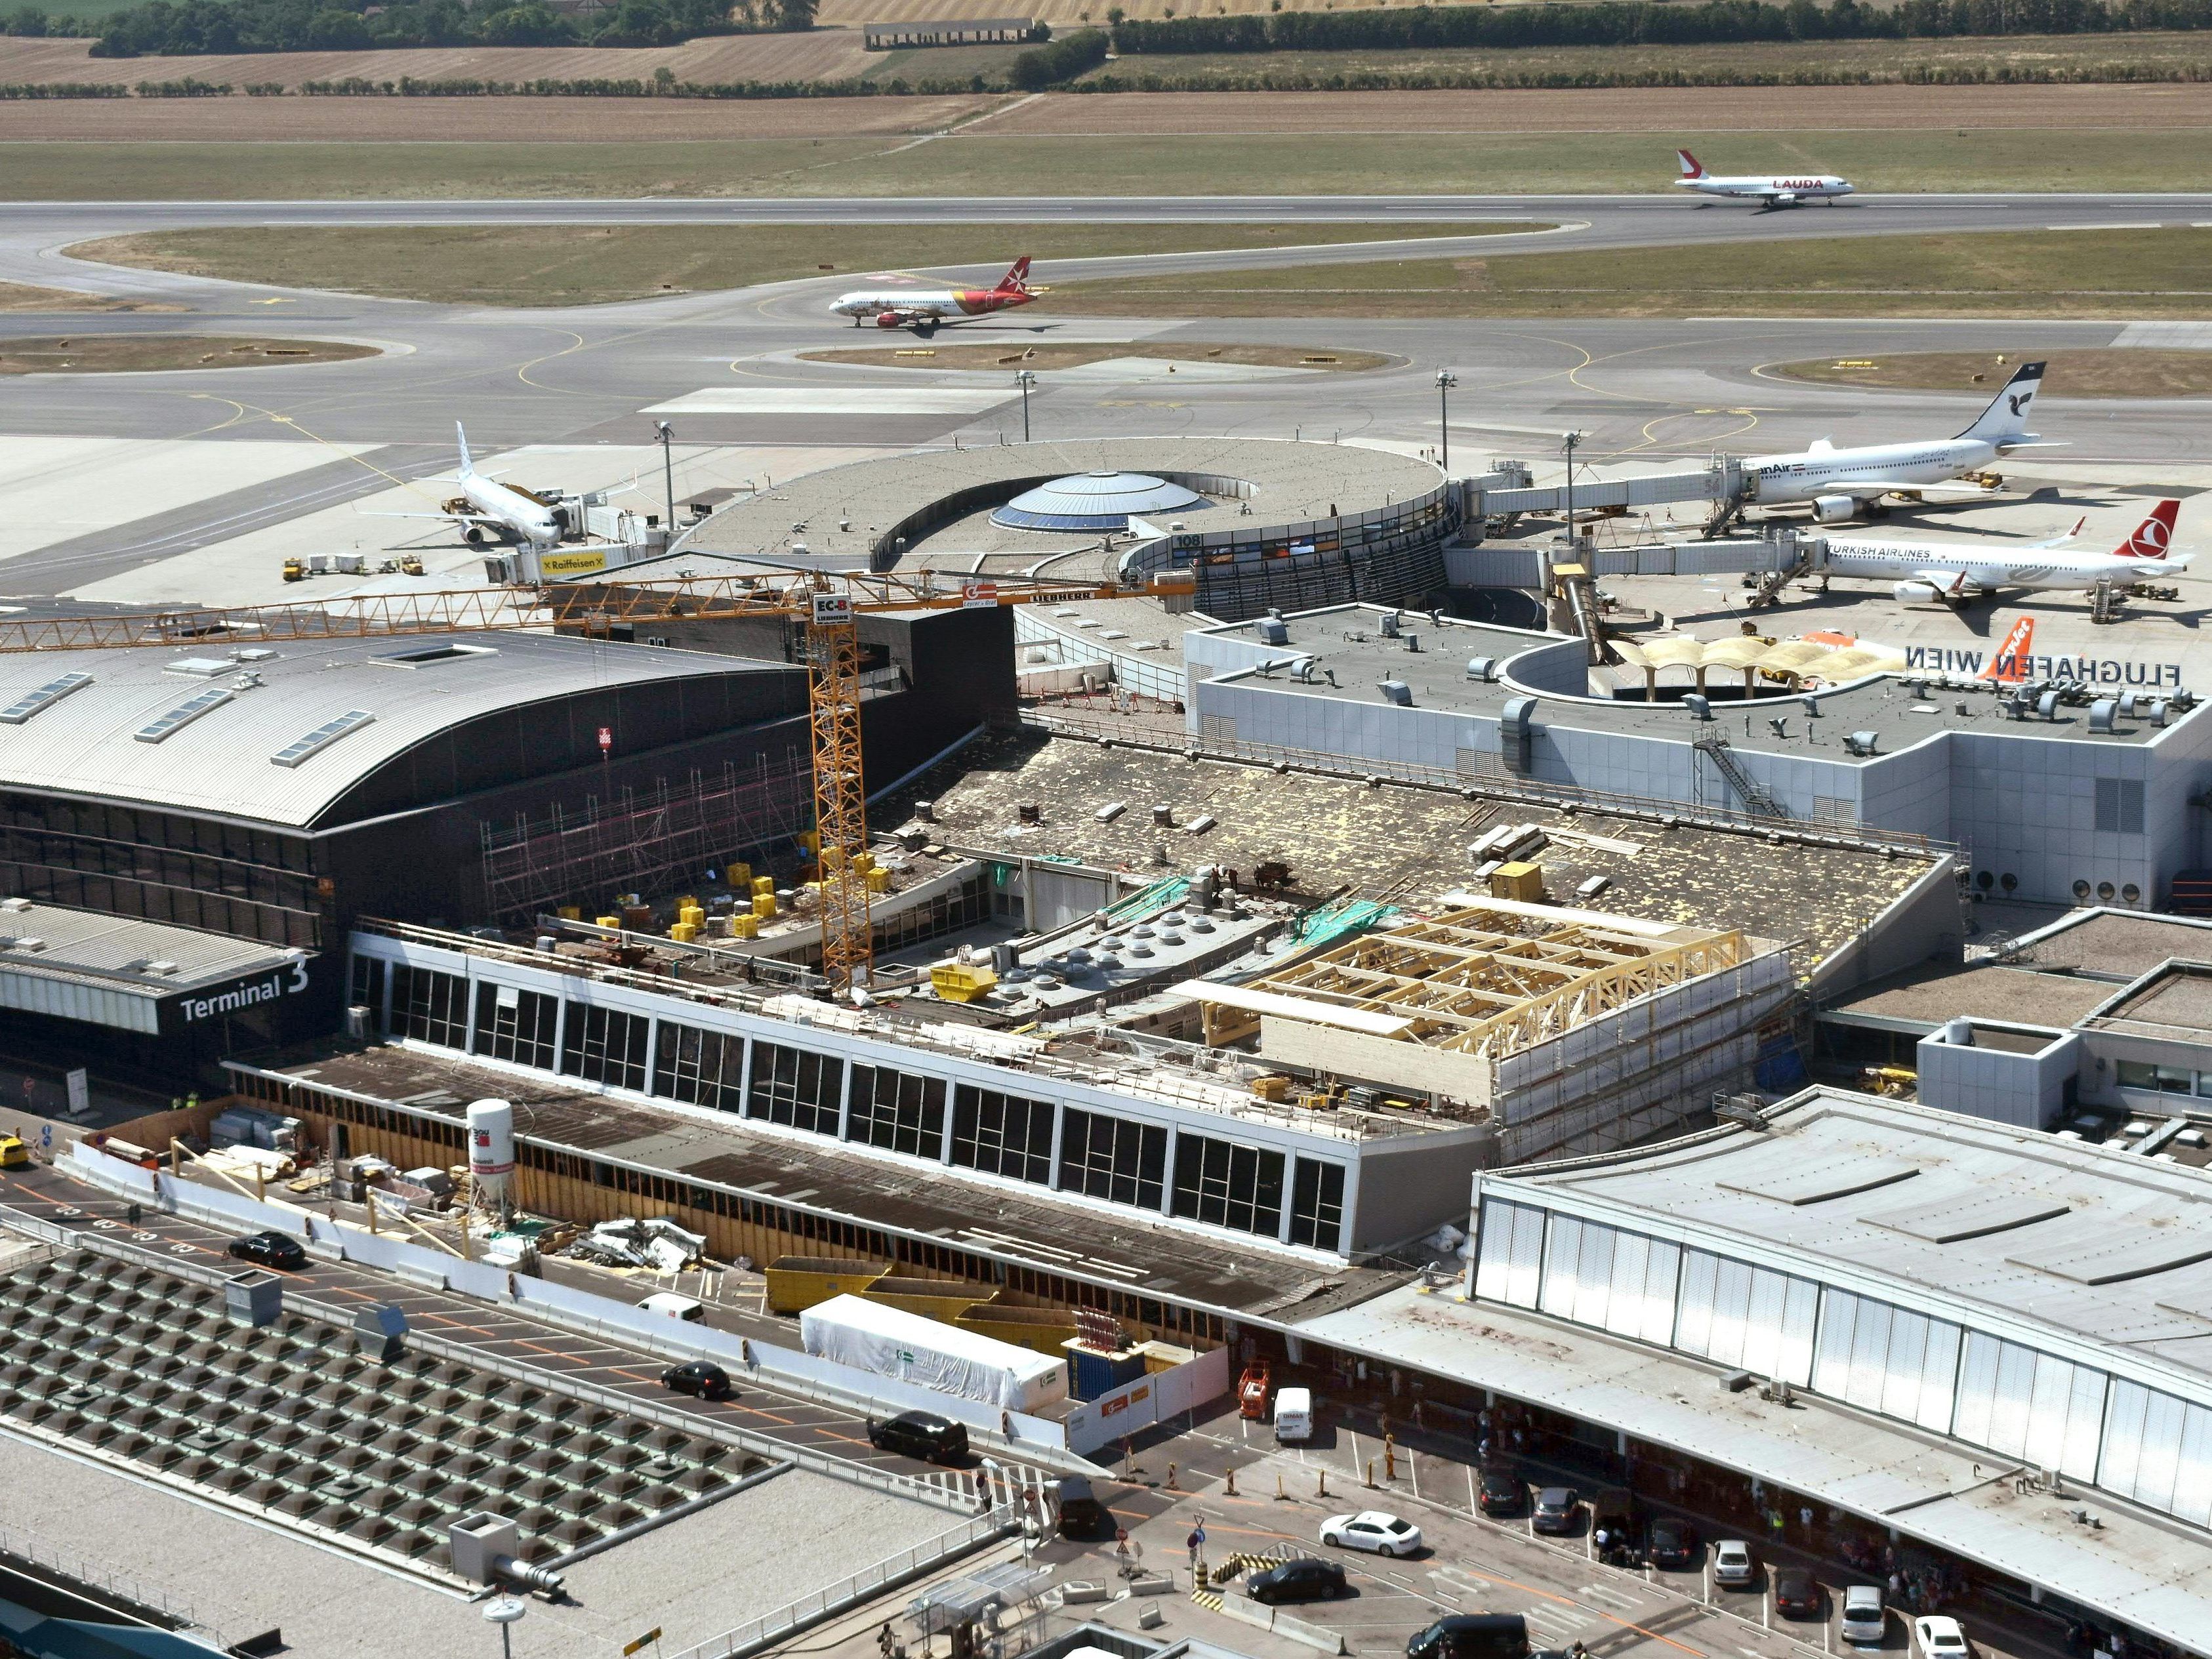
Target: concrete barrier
(1247, 1610)
(1076, 1592)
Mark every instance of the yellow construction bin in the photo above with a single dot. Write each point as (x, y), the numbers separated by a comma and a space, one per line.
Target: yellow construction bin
(693, 916)
(610, 922)
(764, 885)
(571, 913)
(684, 932)
(764, 905)
(864, 860)
(879, 881)
(942, 1299)
(740, 877)
(796, 1282)
(961, 982)
(1517, 880)
(1042, 1330)
(743, 927)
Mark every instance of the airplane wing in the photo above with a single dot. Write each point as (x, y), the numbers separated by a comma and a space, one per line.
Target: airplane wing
(441, 517)
(1953, 582)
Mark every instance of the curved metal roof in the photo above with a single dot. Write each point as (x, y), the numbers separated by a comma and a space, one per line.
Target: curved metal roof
(125, 735)
(1102, 500)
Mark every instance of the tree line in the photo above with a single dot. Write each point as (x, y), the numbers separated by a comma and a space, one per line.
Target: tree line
(1647, 22)
(197, 27)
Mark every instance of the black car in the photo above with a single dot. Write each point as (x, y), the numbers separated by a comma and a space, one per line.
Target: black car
(701, 1377)
(1614, 1519)
(1673, 1545)
(1558, 1511)
(920, 1434)
(1797, 1594)
(271, 1250)
(1081, 1514)
(1473, 1636)
(1501, 1491)
(1304, 1580)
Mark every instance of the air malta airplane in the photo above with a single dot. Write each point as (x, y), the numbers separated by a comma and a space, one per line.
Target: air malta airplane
(1775, 193)
(1841, 483)
(486, 507)
(1954, 571)
(923, 309)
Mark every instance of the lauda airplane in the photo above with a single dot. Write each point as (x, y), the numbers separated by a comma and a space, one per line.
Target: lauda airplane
(1775, 190)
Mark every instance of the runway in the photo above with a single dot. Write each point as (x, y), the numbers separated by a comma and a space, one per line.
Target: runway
(1656, 392)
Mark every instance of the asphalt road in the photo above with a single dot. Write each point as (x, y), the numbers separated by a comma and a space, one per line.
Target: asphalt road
(1652, 390)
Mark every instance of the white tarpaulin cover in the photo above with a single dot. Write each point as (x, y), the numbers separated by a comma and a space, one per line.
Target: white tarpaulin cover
(891, 1342)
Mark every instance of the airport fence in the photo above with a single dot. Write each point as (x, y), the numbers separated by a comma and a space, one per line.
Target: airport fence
(861, 1588)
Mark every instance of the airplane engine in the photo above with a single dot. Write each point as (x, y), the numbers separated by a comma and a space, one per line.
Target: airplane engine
(1834, 509)
(887, 320)
(1915, 593)
(473, 536)
(1786, 199)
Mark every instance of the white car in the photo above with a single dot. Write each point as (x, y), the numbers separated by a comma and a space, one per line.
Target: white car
(1371, 1529)
(1864, 1622)
(1936, 1636)
(1732, 1563)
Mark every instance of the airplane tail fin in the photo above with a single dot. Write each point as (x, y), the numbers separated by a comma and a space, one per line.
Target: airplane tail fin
(1691, 167)
(2152, 536)
(2009, 664)
(1017, 279)
(2005, 421)
(468, 466)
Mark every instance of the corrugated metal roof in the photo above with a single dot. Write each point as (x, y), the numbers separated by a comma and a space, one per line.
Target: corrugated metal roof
(117, 950)
(85, 743)
(2106, 1245)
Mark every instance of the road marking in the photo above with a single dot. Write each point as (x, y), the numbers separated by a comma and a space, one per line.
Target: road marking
(1609, 1596)
(2151, 224)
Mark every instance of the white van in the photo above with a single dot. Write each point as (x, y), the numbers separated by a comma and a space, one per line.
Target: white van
(1293, 1416)
(673, 1306)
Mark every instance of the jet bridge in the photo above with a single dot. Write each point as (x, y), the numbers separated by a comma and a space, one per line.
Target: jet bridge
(1776, 556)
(1508, 490)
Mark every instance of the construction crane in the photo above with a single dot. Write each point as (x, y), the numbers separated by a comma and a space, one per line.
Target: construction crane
(828, 604)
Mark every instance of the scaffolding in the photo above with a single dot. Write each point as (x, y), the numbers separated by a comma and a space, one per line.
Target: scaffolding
(638, 839)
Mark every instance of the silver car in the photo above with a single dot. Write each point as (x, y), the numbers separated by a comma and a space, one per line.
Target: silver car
(1864, 1621)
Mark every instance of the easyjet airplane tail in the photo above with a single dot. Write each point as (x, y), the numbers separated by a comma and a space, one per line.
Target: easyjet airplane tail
(2010, 665)
(2153, 536)
(1690, 167)
(1016, 280)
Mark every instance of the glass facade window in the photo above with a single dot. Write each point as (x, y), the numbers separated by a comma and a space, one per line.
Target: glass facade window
(1228, 1185)
(517, 1026)
(706, 1068)
(605, 1045)
(796, 1087)
(428, 1007)
(898, 1111)
(1113, 1159)
(1002, 1135)
(365, 986)
(1317, 1204)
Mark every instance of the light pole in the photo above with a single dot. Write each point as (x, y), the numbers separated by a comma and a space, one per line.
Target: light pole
(1024, 379)
(1445, 381)
(504, 1613)
(666, 434)
(1570, 439)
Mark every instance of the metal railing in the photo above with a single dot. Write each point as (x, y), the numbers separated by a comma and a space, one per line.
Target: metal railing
(860, 1588)
(30, 1552)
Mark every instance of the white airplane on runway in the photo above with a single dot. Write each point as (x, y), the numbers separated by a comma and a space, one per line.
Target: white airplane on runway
(1841, 483)
(923, 309)
(1773, 191)
(485, 505)
(1954, 571)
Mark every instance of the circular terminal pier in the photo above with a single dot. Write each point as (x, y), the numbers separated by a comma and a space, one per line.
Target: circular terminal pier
(1260, 523)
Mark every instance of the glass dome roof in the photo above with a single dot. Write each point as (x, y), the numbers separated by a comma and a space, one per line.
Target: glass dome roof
(1095, 500)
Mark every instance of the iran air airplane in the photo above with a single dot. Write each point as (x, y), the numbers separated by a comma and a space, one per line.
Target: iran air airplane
(923, 309)
(1842, 483)
(485, 506)
(1775, 191)
(1954, 571)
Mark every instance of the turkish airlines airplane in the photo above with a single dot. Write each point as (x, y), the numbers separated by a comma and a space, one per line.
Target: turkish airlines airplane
(1775, 190)
(923, 309)
(493, 506)
(1842, 483)
(1953, 571)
